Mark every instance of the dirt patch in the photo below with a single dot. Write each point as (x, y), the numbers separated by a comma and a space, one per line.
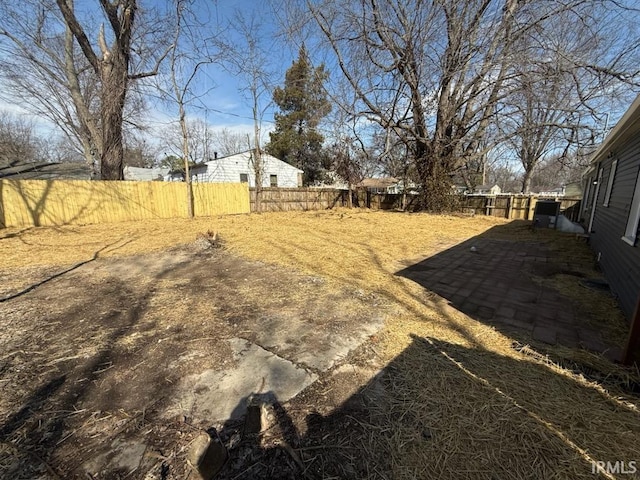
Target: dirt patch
(95, 353)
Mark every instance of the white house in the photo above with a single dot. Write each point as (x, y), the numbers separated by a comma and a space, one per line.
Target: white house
(240, 168)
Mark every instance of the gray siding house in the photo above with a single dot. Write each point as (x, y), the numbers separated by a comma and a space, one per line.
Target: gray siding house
(612, 207)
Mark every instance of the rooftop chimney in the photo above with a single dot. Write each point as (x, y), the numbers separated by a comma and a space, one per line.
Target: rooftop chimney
(215, 155)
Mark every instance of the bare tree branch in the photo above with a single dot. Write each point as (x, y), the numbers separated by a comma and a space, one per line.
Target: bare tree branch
(78, 32)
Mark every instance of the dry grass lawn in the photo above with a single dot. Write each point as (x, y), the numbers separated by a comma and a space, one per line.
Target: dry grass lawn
(461, 402)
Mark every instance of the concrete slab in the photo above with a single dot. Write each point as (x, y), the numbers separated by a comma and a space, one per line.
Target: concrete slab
(314, 348)
(222, 394)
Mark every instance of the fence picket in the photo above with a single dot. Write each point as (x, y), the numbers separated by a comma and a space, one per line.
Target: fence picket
(60, 202)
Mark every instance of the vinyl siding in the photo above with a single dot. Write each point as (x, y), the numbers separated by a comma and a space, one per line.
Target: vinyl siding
(228, 169)
(619, 261)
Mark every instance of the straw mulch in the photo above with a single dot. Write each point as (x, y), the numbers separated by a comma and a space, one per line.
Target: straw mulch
(455, 399)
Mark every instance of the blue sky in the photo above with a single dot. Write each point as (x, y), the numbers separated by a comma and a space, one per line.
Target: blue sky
(221, 102)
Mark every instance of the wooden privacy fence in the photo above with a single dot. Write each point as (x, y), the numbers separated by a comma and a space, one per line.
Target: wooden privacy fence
(387, 201)
(504, 206)
(286, 199)
(60, 202)
(516, 206)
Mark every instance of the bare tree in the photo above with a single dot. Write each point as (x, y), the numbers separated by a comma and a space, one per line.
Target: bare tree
(112, 66)
(556, 94)
(504, 174)
(544, 122)
(396, 161)
(436, 73)
(18, 141)
(554, 172)
(422, 70)
(180, 92)
(248, 54)
(42, 70)
(187, 58)
(342, 156)
(200, 141)
(227, 142)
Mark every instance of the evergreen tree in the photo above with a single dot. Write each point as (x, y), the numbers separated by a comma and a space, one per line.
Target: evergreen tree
(302, 103)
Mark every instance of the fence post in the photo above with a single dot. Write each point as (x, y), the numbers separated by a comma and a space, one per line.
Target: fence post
(532, 207)
(509, 206)
(487, 205)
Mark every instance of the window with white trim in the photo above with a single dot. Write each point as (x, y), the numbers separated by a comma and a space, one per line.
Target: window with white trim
(631, 233)
(612, 174)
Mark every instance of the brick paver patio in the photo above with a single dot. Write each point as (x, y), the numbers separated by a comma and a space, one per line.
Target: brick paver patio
(494, 284)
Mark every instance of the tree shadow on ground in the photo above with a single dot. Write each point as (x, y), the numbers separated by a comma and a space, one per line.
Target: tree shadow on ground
(441, 410)
(125, 371)
(39, 283)
(69, 385)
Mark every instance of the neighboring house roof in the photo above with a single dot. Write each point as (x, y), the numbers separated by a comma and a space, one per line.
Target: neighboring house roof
(44, 170)
(621, 132)
(145, 174)
(193, 170)
(382, 182)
